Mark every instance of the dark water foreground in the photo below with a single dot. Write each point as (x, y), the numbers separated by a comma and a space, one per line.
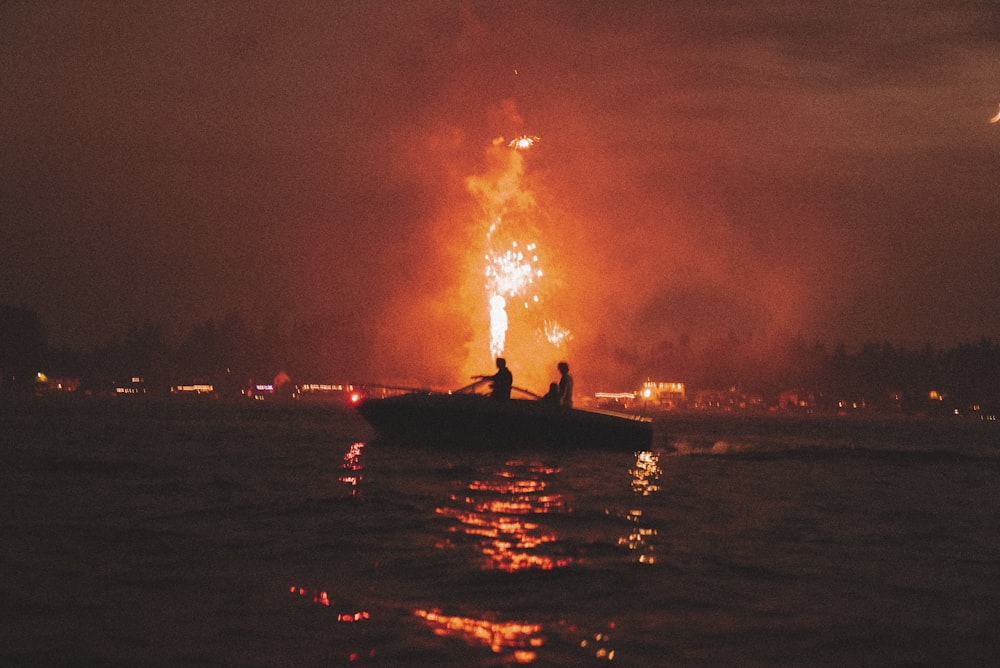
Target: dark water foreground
(206, 534)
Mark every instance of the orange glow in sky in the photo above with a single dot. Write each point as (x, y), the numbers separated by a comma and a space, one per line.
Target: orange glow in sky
(679, 235)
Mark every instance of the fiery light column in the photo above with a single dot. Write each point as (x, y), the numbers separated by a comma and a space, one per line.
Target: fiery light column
(498, 324)
(513, 273)
(511, 265)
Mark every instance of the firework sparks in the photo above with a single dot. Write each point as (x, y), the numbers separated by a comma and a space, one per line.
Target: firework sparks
(556, 334)
(510, 272)
(523, 142)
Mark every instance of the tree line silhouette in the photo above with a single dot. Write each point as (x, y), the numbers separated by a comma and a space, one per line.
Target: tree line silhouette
(231, 354)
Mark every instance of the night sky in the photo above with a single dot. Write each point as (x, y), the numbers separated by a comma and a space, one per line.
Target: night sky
(749, 173)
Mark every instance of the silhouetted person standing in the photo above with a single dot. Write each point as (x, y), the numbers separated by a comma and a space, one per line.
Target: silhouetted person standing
(503, 380)
(565, 385)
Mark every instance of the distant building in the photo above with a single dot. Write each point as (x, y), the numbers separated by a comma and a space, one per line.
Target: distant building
(193, 389)
(616, 400)
(796, 399)
(729, 400)
(261, 391)
(45, 384)
(664, 395)
(134, 386)
(328, 393)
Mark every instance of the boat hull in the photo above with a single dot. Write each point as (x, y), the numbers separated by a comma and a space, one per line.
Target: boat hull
(473, 419)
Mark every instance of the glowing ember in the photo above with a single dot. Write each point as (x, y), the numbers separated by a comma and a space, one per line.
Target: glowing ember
(556, 334)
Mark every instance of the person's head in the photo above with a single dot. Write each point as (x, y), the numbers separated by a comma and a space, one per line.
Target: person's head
(563, 367)
(554, 388)
(501, 363)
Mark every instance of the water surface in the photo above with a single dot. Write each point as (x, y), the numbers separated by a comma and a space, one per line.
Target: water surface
(212, 534)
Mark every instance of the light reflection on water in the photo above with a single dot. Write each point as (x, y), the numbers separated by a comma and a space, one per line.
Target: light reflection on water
(519, 638)
(322, 597)
(498, 512)
(352, 467)
(181, 533)
(343, 614)
(645, 482)
(646, 473)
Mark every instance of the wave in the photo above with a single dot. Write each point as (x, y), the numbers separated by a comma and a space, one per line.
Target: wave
(903, 440)
(774, 451)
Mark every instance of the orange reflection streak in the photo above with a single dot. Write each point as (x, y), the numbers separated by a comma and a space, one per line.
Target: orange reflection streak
(352, 464)
(645, 481)
(646, 474)
(599, 644)
(496, 514)
(498, 636)
(637, 539)
(320, 597)
(507, 488)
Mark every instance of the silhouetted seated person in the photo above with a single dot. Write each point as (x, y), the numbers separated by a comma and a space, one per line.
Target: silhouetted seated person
(503, 380)
(565, 385)
(552, 396)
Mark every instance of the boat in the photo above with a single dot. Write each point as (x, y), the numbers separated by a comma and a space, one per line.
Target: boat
(469, 419)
